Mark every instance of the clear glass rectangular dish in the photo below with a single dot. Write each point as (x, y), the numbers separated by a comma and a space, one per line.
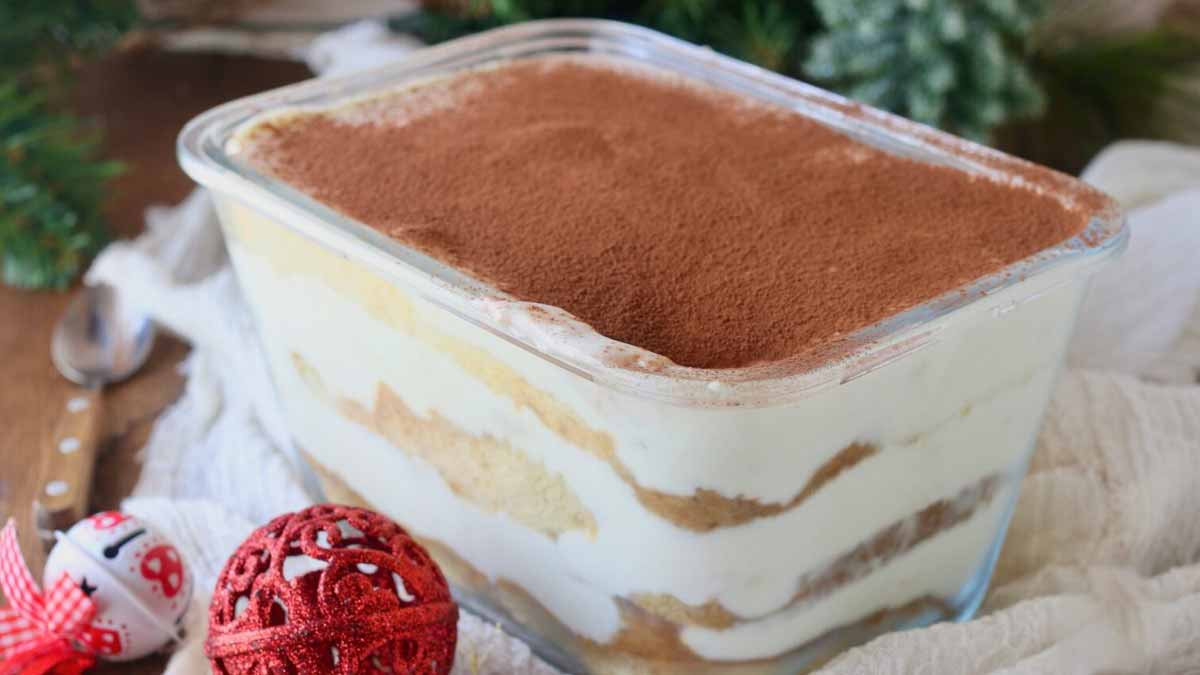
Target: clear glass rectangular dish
(674, 519)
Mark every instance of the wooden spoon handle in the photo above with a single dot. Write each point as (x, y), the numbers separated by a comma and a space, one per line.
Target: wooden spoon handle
(69, 460)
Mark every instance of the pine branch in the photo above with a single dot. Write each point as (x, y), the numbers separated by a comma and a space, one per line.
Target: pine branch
(51, 189)
(35, 33)
(1128, 77)
(1144, 85)
(51, 180)
(764, 32)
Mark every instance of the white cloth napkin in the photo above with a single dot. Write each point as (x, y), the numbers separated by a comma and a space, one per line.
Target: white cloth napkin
(1101, 569)
(1137, 309)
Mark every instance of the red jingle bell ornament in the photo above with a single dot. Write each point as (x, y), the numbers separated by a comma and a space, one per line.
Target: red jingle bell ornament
(331, 590)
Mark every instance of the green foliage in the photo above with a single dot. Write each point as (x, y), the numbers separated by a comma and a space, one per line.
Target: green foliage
(51, 188)
(1130, 79)
(51, 182)
(955, 64)
(512, 11)
(40, 32)
(765, 32)
(1102, 89)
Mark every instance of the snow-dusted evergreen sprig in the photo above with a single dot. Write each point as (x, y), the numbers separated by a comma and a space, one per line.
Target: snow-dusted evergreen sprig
(955, 64)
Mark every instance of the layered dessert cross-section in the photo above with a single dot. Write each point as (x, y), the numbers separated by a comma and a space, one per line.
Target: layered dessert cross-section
(593, 215)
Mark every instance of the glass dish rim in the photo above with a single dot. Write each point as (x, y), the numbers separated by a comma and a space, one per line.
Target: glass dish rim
(203, 153)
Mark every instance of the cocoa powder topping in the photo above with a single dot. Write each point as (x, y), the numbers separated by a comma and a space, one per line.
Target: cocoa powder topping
(699, 225)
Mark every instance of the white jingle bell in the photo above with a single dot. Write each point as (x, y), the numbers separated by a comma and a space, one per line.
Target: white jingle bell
(140, 584)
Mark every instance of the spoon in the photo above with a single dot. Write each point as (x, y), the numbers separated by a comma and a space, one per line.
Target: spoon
(98, 341)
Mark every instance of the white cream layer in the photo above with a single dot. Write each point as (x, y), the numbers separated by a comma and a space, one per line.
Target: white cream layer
(956, 555)
(944, 418)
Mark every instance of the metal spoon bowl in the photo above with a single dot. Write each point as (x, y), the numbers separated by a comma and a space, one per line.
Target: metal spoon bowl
(100, 339)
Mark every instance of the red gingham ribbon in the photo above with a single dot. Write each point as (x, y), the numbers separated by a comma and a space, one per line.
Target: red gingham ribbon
(40, 633)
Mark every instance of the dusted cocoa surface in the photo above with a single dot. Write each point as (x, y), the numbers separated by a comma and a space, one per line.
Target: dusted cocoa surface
(701, 226)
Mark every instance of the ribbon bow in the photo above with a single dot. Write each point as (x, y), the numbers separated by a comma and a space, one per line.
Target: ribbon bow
(40, 633)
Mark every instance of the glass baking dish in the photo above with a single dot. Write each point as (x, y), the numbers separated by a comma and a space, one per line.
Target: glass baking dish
(667, 519)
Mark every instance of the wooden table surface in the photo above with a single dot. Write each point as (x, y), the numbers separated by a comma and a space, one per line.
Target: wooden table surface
(141, 99)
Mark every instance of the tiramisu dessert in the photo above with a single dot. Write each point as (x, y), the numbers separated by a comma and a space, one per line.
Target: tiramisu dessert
(676, 378)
